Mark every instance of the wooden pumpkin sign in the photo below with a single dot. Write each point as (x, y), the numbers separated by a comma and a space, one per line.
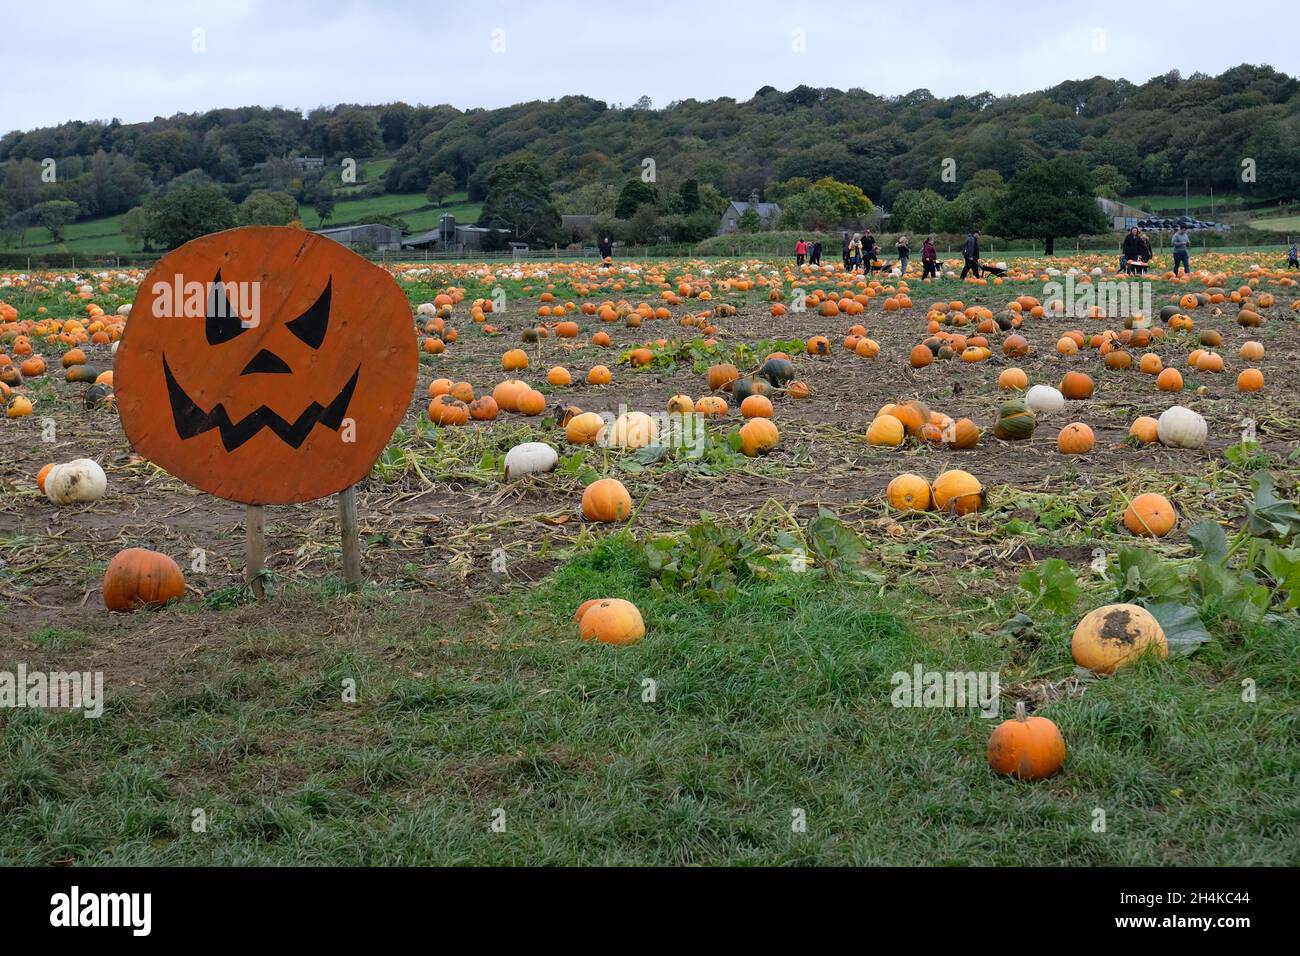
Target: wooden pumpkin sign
(266, 365)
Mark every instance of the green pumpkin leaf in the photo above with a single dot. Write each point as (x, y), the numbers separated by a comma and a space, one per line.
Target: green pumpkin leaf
(1144, 574)
(1283, 566)
(651, 454)
(1053, 584)
(1210, 540)
(1182, 626)
(1268, 515)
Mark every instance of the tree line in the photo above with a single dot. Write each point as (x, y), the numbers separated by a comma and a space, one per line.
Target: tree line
(940, 163)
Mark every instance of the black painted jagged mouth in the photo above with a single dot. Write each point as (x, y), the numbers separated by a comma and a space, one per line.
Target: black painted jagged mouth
(192, 421)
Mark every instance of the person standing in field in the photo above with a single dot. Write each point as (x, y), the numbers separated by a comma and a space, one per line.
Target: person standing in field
(1147, 254)
(800, 250)
(815, 253)
(855, 252)
(844, 250)
(1130, 252)
(904, 252)
(971, 253)
(929, 259)
(1182, 243)
(606, 251)
(868, 253)
(1292, 257)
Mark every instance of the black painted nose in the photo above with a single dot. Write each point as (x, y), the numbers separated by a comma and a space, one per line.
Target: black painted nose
(265, 361)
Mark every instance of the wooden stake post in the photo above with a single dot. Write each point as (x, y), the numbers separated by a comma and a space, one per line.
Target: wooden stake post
(348, 530)
(254, 549)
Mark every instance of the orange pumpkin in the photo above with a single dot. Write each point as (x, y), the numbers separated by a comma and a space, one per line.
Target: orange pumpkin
(1250, 380)
(612, 621)
(963, 434)
(1076, 386)
(507, 393)
(585, 428)
(1029, 748)
(531, 402)
(958, 492)
(756, 406)
(1013, 378)
(1145, 430)
(1169, 380)
(483, 409)
(1075, 439)
(758, 436)
(606, 499)
(909, 492)
(445, 410)
(1150, 516)
(138, 578)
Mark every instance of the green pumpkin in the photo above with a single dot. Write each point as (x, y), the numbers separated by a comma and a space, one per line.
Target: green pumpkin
(99, 395)
(1168, 312)
(82, 373)
(1015, 422)
(742, 388)
(777, 371)
(1006, 321)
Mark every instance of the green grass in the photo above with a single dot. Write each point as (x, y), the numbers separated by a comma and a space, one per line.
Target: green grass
(1177, 203)
(104, 236)
(1278, 223)
(413, 208)
(774, 703)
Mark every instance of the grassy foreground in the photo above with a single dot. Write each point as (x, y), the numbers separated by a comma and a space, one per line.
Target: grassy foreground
(775, 702)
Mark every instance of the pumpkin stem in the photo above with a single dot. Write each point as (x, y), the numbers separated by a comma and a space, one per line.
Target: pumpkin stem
(1020, 711)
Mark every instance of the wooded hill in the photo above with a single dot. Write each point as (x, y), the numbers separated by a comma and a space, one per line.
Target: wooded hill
(1141, 138)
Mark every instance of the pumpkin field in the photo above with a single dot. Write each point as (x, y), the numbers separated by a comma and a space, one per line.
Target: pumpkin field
(677, 626)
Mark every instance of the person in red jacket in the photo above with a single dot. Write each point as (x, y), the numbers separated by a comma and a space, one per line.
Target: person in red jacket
(929, 259)
(800, 250)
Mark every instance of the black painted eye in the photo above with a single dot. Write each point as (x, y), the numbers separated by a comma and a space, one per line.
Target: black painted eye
(312, 325)
(223, 322)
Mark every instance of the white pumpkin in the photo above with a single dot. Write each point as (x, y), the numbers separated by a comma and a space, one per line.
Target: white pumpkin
(426, 308)
(632, 430)
(1181, 427)
(77, 482)
(530, 458)
(124, 309)
(1044, 400)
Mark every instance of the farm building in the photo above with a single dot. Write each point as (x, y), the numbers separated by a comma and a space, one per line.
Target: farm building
(768, 214)
(472, 237)
(1121, 215)
(366, 236)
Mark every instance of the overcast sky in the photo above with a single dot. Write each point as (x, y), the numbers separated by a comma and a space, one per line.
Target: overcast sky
(78, 59)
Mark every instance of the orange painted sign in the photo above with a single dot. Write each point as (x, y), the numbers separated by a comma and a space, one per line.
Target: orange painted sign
(265, 365)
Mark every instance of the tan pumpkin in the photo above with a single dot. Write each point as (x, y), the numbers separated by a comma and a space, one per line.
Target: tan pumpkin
(1112, 636)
